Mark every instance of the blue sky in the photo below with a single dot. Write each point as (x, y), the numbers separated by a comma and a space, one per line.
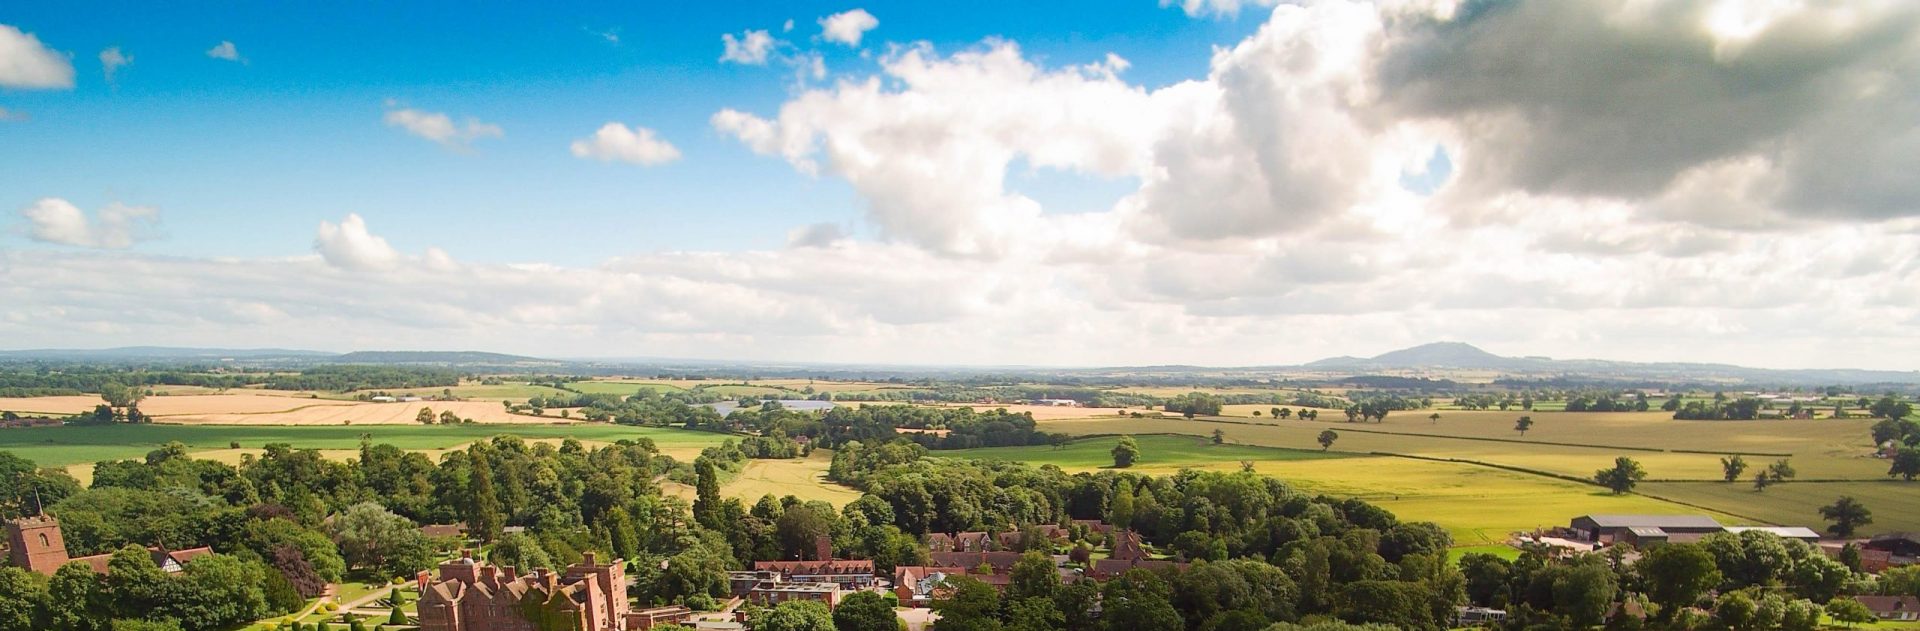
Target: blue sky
(1063, 183)
(244, 158)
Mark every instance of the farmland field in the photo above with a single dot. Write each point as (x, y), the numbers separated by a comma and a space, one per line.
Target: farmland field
(62, 446)
(1826, 449)
(1478, 505)
(261, 409)
(804, 478)
(623, 388)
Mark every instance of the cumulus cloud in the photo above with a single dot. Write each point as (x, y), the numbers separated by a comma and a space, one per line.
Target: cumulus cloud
(1266, 222)
(633, 145)
(25, 63)
(848, 27)
(348, 245)
(224, 50)
(114, 226)
(1216, 8)
(440, 128)
(751, 48)
(817, 235)
(112, 60)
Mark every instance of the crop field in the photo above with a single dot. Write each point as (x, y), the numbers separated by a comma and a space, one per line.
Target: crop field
(1478, 505)
(1821, 450)
(624, 388)
(804, 478)
(261, 409)
(233, 403)
(1895, 504)
(1159, 455)
(63, 446)
(1045, 412)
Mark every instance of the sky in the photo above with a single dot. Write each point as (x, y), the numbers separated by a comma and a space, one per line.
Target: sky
(1219, 182)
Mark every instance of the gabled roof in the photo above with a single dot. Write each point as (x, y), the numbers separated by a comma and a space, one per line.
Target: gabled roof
(1889, 604)
(1657, 521)
(1789, 532)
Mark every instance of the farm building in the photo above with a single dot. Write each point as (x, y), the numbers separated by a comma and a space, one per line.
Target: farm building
(1677, 528)
(1899, 544)
(1901, 608)
(1801, 533)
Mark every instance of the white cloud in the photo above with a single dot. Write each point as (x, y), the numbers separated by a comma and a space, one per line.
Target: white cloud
(1643, 189)
(1216, 8)
(11, 116)
(224, 50)
(634, 145)
(848, 27)
(115, 226)
(348, 245)
(440, 128)
(25, 63)
(751, 48)
(112, 60)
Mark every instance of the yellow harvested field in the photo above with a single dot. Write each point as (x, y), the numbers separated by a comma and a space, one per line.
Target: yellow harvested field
(804, 478)
(170, 405)
(356, 413)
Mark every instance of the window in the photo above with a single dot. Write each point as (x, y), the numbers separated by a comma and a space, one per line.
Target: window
(43, 541)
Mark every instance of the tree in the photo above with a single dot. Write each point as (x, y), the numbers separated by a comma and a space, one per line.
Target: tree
(1326, 439)
(1676, 575)
(967, 605)
(518, 550)
(706, 501)
(1034, 614)
(484, 518)
(425, 417)
(1733, 466)
(1779, 471)
(1120, 506)
(865, 611)
(795, 616)
(21, 594)
(1033, 576)
(1138, 600)
(1622, 477)
(1434, 417)
(1849, 612)
(447, 417)
(1906, 464)
(1124, 453)
(1846, 515)
(1220, 435)
(1525, 423)
(372, 537)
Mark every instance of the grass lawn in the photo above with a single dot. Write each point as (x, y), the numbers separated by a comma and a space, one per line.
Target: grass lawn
(62, 446)
(1500, 550)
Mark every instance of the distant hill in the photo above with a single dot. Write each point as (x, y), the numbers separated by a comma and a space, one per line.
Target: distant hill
(160, 353)
(1434, 355)
(437, 358)
(1458, 355)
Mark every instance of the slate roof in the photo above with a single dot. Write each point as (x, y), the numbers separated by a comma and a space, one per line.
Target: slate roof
(1657, 521)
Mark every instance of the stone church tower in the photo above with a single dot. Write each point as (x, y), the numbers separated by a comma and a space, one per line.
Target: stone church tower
(35, 544)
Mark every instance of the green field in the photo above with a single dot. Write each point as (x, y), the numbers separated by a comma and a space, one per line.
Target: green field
(622, 388)
(62, 446)
(1158, 454)
(1820, 450)
(1478, 505)
(1895, 504)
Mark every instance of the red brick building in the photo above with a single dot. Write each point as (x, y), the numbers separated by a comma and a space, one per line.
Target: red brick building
(470, 595)
(34, 543)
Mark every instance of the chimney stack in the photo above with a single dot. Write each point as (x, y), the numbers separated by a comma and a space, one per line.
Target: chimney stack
(586, 558)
